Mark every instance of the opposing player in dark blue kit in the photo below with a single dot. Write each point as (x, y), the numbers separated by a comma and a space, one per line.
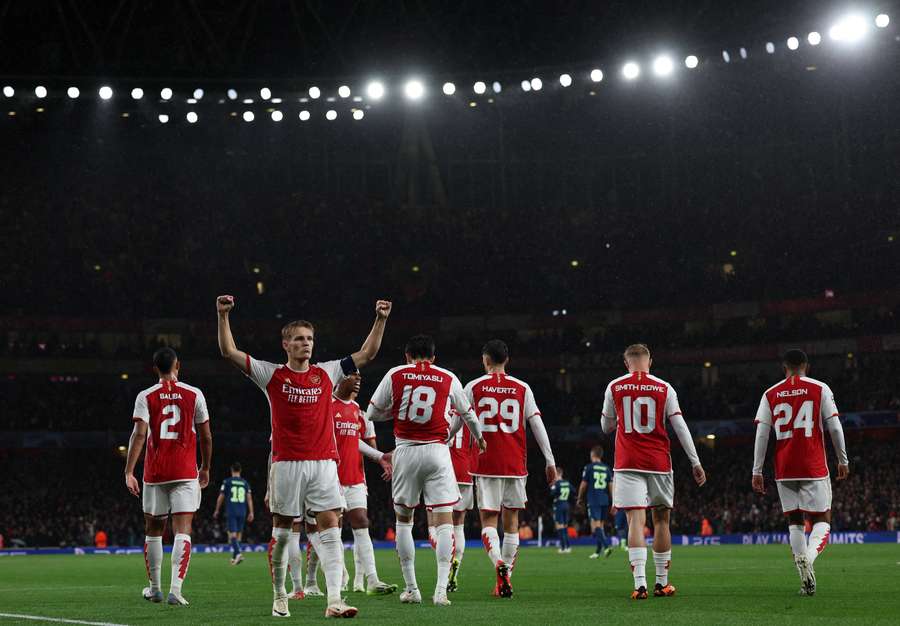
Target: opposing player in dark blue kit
(236, 495)
(561, 492)
(594, 491)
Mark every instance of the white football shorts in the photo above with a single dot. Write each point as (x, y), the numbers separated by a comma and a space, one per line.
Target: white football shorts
(355, 496)
(424, 472)
(296, 487)
(806, 496)
(642, 490)
(182, 496)
(496, 492)
(466, 498)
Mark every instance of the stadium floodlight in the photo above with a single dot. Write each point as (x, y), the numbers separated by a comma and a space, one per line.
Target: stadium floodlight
(106, 92)
(663, 66)
(314, 92)
(232, 94)
(344, 91)
(849, 29)
(137, 93)
(73, 92)
(165, 93)
(691, 61)
(743, 53)
(596, 75)
(40, 91)
(163, 118)
(192, 117)
(793, 43)
(414, 89)
(8, 91)
(526, 85)
(631, 70)
(814, 38)
(198, 93)
(331, 115)
(265, 93)
(375, 90)
(770, 47)
(304, 115)
(565, 80)
(358, 114)
(497, 87)
(479, 87)
(449, 89)
(726, 56)
(248, 116)
(536, 84)
(277, 115)
(248, 100)
(882, 20)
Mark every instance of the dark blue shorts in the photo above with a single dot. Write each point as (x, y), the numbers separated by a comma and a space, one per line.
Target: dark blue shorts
(236, 523)
(561, 514)
(598, 512)
(621, 520)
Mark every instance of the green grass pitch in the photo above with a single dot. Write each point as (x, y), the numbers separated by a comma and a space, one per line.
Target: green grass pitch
(716, 585)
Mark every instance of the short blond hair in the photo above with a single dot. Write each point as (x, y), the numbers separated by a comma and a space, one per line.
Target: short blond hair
(637, 349)
(288, 328)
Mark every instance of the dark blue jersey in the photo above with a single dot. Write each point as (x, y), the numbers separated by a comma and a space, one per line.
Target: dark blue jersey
(597, 476)
(236, 490)
(561, 491)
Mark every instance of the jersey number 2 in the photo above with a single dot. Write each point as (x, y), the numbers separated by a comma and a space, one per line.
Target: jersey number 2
(164, 432)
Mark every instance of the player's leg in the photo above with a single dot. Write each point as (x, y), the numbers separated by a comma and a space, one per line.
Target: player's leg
(514, 500)
(631, 495)
(432, 528)
(153, 553)
(561, 521)
(406, 491)
(662, 551)
(359, 573)
(181, 554)
(295, 562)
(443, 550)
(441, 492)
(789, 494)
(285, 502)
(312, 557)
(816, 501)
(358, 516)
(459, 535)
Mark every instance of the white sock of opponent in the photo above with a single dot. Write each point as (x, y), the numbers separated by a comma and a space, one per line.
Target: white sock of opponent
(295, 562)
(798, 539)
(818, 539)
(510, 550)
(362, 545)
(153, 557)
(638, 559)
(444, 552)
(662, 560)
(406, 550)
(491, 541)
(459, 535)
(181, 558)
(278, 547)
(332, 558)
(312, 560)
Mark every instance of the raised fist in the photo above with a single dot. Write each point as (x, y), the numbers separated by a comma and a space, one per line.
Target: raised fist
(224, 304)
(382, 309)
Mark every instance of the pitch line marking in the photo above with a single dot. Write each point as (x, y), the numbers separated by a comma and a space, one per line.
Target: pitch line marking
(40, 618)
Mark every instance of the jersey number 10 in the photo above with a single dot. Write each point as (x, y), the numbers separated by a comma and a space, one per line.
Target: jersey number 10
(639, 414)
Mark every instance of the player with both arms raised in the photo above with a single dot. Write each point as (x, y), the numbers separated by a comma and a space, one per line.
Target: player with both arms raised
(303, 476)
(504, 406)
(799, 409)
(637, 407)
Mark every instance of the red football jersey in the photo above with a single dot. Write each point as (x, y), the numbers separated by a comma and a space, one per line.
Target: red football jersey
(417, 397)
(299, 408)
(641, 403)
(795, 409)
(170, 409)
(503, 404)
(463, 453)
(349, 427)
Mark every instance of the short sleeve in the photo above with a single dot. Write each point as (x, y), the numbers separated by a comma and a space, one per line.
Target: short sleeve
(585, 474)
(222, 488)
(382, 401)
(338, 370)
(141, 411)
(829, 408)
(201, 412)
(260, 372)
(531, 407)
(764, 412)
(247, 486)
(609, 404)
(672, 406)
(368, 428)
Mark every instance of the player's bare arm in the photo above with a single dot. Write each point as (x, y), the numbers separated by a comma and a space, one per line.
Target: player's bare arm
(205, 436)
(366, 354)
(135, 447)
(249, 508)
(219, 501)
(582, 489)
(227, 347)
